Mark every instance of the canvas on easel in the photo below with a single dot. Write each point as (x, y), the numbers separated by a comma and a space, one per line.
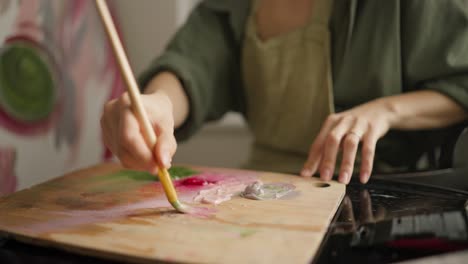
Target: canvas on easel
(56, 72)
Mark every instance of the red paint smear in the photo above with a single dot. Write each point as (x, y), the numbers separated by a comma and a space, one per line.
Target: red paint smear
(200, 182)
(190, 185)
(196, 181)
(22, 128)
(210, 177)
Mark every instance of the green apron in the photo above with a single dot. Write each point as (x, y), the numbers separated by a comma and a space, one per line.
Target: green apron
(289, 90)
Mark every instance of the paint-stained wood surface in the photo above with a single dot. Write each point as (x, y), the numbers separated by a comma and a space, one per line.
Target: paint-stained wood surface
(110, 212)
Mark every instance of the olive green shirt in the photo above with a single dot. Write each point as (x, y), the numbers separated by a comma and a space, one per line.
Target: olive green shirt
(379, 48)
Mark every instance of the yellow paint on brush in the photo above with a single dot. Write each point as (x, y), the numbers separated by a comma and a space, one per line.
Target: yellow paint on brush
(166, 182)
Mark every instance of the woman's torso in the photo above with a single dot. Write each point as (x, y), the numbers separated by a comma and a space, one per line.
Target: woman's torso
(286, 70)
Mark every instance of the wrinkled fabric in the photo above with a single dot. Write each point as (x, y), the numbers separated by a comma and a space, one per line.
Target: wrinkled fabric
(379, 48)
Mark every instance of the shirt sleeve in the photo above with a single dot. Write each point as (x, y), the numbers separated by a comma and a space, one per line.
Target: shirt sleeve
(204, 56)
(435, 47)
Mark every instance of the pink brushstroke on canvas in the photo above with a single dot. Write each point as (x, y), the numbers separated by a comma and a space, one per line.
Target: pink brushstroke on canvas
(67, 34)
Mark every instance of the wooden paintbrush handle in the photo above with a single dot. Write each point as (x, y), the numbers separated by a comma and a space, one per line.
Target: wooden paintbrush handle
(134, 93)
(131, 84)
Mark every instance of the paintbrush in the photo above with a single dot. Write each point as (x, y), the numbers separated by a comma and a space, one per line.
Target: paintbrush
(137, 106)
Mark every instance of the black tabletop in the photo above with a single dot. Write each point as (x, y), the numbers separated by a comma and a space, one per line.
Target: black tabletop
(392, 218)
(399, 217)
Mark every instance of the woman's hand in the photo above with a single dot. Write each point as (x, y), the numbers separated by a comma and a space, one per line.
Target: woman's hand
(167, 107)
(367, 123)
(122, 134)
(364, 125)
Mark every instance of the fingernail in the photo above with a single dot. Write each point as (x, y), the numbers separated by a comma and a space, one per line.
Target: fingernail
(364, 177)
(325, 175)
(166, 159)
(306, 172)
(344, 177)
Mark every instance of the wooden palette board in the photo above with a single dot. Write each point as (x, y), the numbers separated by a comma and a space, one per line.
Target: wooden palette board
(108, 212)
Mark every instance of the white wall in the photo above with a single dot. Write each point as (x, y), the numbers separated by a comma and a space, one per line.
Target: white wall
(147, 25)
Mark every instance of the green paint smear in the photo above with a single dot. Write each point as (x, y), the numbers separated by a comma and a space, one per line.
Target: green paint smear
(128, 175)
(143, 176)
(247, 233)
(125, 180)
(181, 172)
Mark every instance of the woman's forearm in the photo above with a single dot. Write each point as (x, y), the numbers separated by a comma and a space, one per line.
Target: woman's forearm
(423, 110)
(168, 83)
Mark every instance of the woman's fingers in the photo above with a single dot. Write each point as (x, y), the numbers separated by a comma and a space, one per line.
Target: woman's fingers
(123, 136)
(164, 128)
(131, 139)
(347, 132)
(166, 144)
(350, 146)
(316, 149)
(363, 124)
(165, 149)
(315, 156)
(128, 160)
(368, 154)
(332, 145)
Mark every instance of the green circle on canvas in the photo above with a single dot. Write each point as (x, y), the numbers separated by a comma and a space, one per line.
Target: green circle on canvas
(27, 91)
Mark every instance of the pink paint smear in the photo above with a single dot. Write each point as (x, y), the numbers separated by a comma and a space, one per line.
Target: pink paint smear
(219, 188)
(208, 187)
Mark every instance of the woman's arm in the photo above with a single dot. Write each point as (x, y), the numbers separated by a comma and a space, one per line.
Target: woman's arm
(423, 110)
(369, 122)
(168, 84)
